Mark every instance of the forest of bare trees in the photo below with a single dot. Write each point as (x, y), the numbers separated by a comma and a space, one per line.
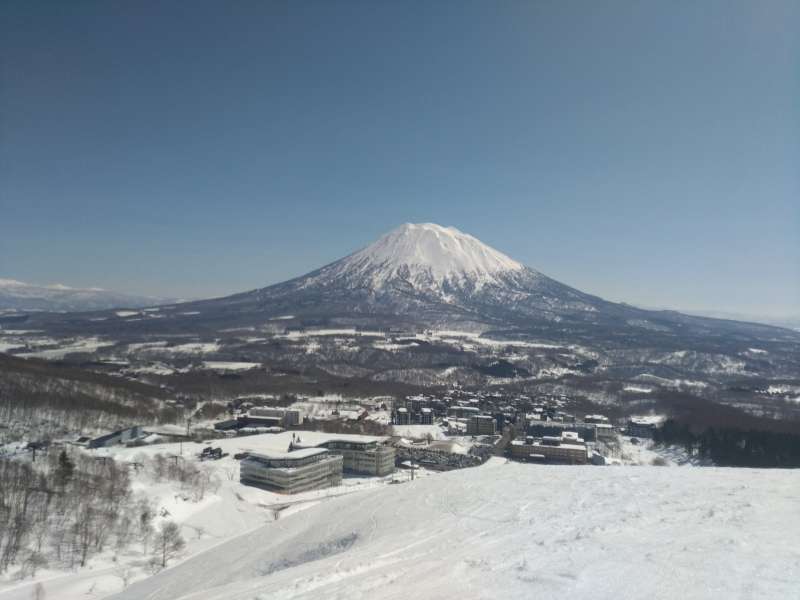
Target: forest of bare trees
(62, 509)
(67, 507)
(53, 401)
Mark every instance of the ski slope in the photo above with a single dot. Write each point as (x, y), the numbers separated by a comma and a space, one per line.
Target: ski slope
(508, 530)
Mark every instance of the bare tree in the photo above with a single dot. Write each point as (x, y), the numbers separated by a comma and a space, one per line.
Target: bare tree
(33, 562)
(125, 573)
(145, 523)
(169, 542)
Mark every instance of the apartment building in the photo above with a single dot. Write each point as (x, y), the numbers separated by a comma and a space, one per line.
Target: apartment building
(402, 416)
(426, 416)
(642, 428)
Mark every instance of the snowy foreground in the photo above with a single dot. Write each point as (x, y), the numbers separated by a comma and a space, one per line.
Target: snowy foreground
(518, 531)
(501, 530)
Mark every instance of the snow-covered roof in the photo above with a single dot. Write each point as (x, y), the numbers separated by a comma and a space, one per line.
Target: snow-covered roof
(647, 419)
(294, 454)
(562, 445)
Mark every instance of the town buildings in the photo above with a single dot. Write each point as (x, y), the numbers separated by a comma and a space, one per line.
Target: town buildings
(463, 412)
(261, 417)
(602, 426)
(420, 410)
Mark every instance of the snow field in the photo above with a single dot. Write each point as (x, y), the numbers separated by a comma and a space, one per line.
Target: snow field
(519, 531)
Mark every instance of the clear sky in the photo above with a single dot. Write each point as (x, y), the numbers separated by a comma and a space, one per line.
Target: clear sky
(643, 151)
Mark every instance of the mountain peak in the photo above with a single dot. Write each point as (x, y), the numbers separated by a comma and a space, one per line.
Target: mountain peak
(445, 250)
(427, 255)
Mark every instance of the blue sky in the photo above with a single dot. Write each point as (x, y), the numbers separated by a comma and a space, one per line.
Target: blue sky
(642, 151)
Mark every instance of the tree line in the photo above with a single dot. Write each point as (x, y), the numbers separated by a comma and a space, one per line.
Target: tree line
(733, 447)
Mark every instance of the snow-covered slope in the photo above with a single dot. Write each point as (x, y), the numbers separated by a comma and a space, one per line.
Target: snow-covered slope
(429, 273)
(426, 256)
(21, 296)
(508, 530)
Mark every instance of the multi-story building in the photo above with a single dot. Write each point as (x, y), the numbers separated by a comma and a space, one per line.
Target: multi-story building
(250, 420)
(641, 428)
(363, 458)
(537, 428)
(481, 425)
(287, 416)
(500, 421)
(292, 472)
(426, 416)
(604, 431)
(461, 412)
(595, 419)
(567, 448)
(402, 416)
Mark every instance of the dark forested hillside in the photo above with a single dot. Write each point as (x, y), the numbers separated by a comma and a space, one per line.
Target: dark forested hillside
(51, 398)
(733, 446)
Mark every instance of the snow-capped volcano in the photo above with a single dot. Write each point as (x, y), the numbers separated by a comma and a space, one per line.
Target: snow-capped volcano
(425, 253)
(421, 276)
(426, 257)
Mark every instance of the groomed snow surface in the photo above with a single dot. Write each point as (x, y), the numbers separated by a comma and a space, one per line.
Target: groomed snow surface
(509, 530)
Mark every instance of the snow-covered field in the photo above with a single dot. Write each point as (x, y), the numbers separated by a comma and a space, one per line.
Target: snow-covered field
(229, 366)
(508, 530)
(505, 529)
(72, 347)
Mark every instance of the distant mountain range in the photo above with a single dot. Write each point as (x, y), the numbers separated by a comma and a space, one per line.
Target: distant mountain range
(789, 321)
(25, 297)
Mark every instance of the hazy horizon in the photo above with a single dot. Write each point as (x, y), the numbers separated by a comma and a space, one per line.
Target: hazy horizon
(643, 153)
